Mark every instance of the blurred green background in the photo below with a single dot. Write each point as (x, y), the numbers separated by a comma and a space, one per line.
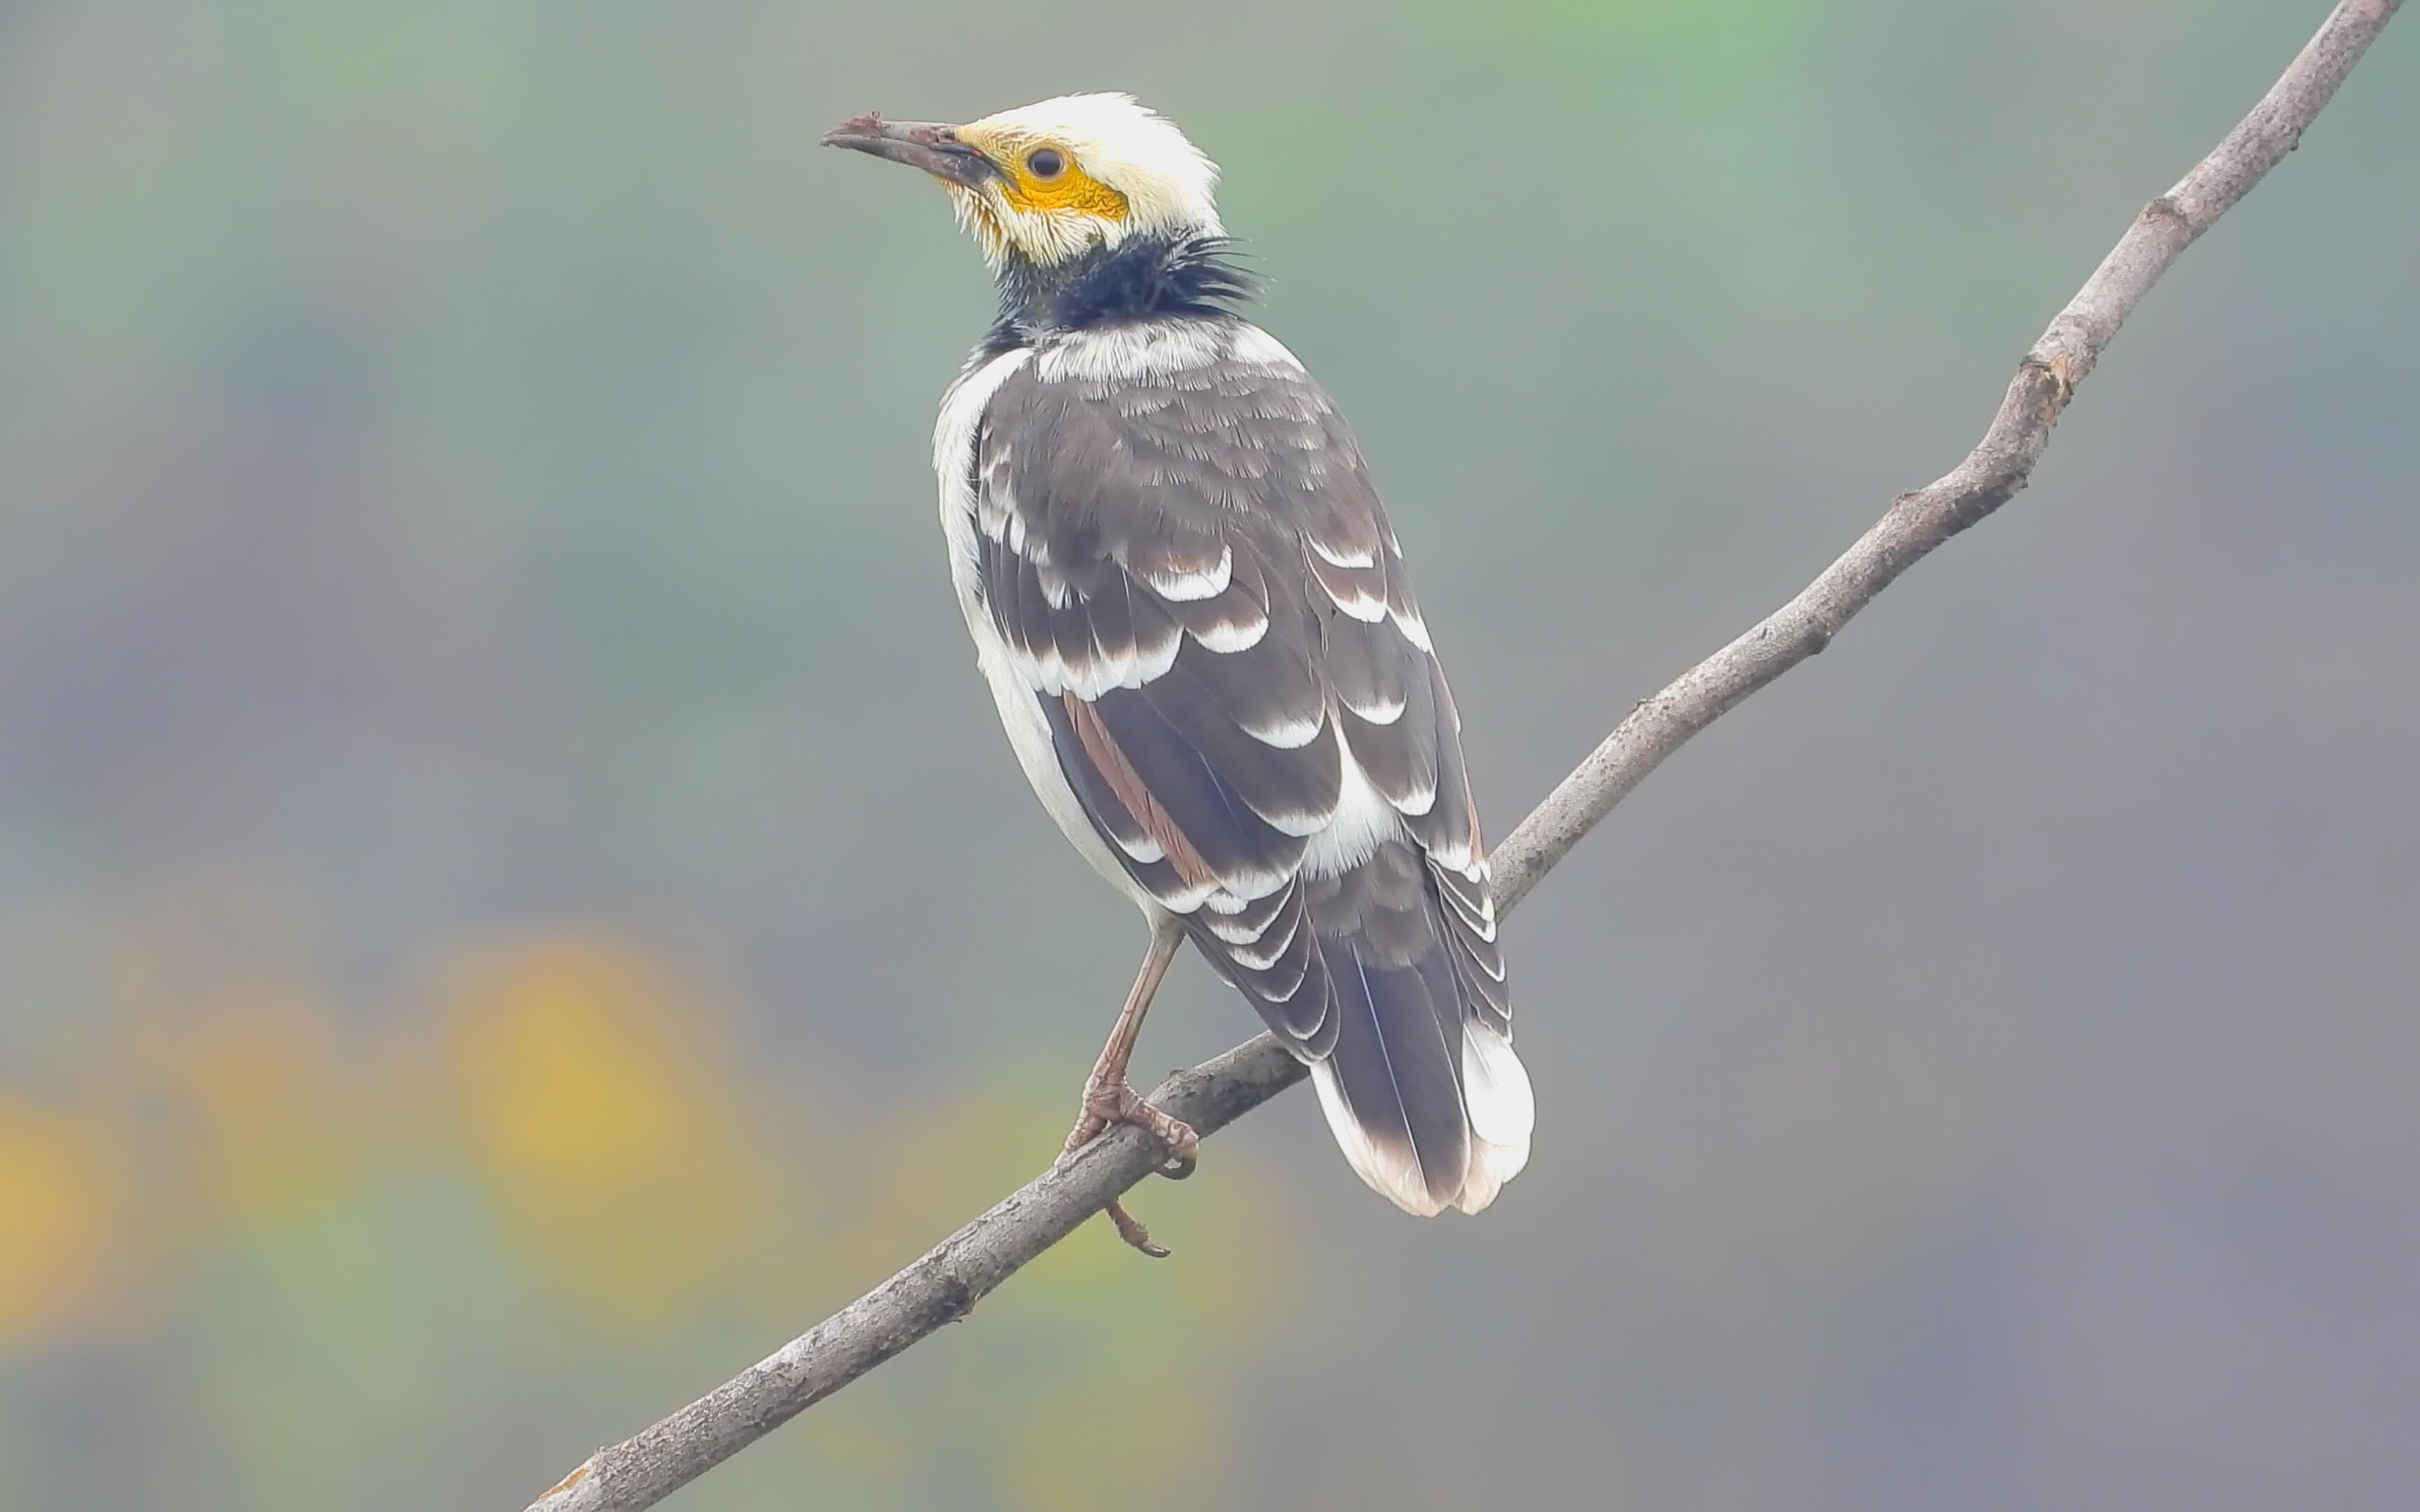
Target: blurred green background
(512, 902)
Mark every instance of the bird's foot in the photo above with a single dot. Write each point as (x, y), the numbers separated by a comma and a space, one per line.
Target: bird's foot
(1117, 1102)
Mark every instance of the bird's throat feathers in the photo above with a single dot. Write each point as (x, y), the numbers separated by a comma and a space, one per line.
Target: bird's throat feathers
(1140, 277)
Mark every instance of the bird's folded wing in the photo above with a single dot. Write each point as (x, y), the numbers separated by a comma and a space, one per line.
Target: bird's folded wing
(1192, 571)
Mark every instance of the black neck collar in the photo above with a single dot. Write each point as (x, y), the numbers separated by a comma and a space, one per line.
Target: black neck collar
(1137, 278)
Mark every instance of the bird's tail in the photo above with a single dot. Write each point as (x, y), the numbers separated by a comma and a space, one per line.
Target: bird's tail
(1422, 1089)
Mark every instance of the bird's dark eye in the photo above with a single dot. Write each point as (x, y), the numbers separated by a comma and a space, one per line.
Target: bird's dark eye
(1044, 163)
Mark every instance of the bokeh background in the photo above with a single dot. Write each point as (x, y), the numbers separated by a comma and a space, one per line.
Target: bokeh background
(512, 902)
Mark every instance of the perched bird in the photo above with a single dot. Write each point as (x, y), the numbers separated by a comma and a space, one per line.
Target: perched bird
(1196, 622)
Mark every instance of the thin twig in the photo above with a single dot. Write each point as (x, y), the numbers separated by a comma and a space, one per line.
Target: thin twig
(946, 1283)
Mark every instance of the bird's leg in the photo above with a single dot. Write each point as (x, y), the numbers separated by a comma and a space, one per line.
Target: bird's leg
(1109, 1099)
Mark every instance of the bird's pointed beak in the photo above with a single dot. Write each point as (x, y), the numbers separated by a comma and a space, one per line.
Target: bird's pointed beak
(926, 145)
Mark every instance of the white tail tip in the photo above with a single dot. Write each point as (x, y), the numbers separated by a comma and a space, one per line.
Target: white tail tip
(1496, 1100)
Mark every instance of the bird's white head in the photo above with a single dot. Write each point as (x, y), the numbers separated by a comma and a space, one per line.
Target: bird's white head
(1050, 182)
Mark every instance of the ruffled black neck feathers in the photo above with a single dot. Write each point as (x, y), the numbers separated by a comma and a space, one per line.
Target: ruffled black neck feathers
(1146, 276)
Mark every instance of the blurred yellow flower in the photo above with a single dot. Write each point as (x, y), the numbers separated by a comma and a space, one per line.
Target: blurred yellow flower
(58, 1187)
(594, 1111)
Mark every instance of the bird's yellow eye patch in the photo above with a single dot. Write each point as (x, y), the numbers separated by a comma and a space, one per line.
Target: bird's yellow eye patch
(1042, 177)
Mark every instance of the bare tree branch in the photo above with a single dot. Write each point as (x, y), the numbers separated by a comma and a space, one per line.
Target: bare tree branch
(945, 1284)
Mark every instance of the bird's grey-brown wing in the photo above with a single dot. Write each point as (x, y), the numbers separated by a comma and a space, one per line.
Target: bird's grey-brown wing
(1401, 730)
(1189, 566)
(1156, 613)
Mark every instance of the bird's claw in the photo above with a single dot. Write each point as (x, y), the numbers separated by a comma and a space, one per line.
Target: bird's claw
(1130, 1229)
(1121, 1103)
(1117, 1102)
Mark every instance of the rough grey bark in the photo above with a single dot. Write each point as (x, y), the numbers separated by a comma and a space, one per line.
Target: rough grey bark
(944, 1284)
